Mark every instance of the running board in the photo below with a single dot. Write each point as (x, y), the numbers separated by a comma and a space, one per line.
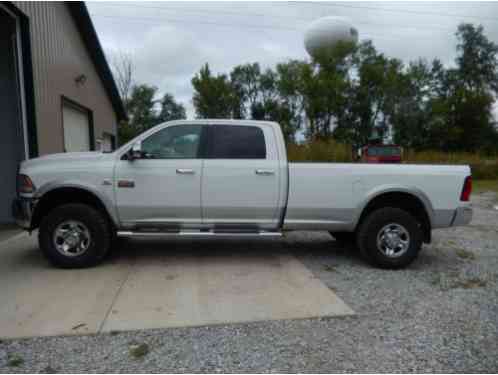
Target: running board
(198, 234)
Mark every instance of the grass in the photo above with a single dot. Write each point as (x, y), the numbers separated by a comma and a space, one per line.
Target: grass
(329, 268)
(319, 151)
(480, 186)
(49, 370)
(465, 254)
(483, 167)
(15, 360)
(449, 282)
(472, 283)
(139, 350)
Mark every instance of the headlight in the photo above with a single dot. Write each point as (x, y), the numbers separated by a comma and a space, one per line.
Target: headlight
(24, 184)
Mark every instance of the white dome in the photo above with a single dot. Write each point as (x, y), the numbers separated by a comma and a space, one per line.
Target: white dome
(324, 34)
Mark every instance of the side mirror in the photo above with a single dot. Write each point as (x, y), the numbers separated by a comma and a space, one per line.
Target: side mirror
(135, 152)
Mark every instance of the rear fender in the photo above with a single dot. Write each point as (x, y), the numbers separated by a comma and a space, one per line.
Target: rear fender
(379, 190)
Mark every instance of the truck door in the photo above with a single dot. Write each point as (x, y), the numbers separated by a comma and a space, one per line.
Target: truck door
(164, 186)
(240, 179)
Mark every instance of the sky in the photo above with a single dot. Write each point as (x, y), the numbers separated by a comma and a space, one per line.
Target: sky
(170, 41)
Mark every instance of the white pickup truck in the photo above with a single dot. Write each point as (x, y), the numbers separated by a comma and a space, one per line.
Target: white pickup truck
(208, 178)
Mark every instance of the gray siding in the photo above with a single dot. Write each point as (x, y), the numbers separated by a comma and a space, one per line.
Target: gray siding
(59, 56)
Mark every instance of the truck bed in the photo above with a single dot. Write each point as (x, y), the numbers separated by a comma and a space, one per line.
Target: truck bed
(332, 195)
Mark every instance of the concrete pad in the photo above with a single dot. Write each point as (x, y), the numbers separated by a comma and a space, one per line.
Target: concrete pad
(175, 290)
(38, 299)
(8, 231)
(171, 284)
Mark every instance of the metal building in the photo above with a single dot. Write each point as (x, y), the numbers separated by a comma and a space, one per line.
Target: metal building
(57, 93)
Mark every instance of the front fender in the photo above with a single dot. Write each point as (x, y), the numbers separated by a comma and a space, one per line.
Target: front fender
(104, 199)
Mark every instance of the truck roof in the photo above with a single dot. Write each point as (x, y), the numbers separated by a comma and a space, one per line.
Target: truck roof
(222, 122)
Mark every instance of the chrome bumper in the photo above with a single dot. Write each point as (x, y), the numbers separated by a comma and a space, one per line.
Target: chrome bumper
(22, 210)
(463, 216)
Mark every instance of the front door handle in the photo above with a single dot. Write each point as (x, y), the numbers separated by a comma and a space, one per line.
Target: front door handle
(265, 172)
(184, 171)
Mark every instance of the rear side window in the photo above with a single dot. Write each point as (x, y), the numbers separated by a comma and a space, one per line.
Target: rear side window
(236, 142)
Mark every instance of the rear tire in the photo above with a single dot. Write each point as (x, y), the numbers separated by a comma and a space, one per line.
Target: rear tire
(390, 238)
(74, 236)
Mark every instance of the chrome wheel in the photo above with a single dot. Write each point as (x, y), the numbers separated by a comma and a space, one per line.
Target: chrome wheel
(393, 240)
(71, 238)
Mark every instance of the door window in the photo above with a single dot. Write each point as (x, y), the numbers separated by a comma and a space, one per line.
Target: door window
(173, 142)
(237, 142)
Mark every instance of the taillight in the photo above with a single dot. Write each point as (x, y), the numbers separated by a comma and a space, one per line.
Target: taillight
(467, 189)
(24, 184)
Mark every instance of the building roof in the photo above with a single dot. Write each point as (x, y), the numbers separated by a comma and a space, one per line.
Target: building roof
(85, 26)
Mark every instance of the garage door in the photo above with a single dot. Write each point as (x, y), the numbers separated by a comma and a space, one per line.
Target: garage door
(76, 129)
(11, 139)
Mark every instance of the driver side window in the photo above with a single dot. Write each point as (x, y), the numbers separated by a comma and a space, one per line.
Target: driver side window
(173, 142)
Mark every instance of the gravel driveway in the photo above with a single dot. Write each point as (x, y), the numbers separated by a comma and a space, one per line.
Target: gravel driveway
(439, 315)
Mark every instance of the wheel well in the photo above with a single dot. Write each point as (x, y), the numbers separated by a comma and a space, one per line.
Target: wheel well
(66, 195)
(404, 201)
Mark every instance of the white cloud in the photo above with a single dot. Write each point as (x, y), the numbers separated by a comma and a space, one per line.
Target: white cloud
(170, 41)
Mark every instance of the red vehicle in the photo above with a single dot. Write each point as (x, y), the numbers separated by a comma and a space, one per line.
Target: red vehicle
(380, 154)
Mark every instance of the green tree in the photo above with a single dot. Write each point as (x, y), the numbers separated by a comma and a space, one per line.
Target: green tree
(289, 85)
(411, 119)
(324, 84)
(461, 111)
(140, 111)
(266, 96)
(477, 59)
(213, 95)
(245, 81)
(170, 109)
(370, 97)
(144, 111)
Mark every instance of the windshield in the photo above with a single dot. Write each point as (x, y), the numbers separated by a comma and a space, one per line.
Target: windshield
(384, 151)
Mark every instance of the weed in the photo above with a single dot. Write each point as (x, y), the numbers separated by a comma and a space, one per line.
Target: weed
(139, 350)
(15, 360)
(472, 283)
(447, 282)
(465, 254)
(49, 370)
(329, 268)
(485, 185)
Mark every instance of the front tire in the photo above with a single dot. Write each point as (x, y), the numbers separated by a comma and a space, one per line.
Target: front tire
(390, 238)
(74, 236)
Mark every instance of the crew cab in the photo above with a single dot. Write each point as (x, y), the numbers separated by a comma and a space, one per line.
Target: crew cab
(225, 178)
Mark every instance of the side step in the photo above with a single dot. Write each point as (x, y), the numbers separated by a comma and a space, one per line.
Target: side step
(198, 234)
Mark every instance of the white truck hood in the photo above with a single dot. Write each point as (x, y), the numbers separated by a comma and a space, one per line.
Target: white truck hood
(62, 158)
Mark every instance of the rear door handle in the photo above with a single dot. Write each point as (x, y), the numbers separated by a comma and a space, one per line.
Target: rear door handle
(184, 171)
(265, 172)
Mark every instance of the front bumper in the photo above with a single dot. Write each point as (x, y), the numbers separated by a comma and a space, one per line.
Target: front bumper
(463, 216)
(22, 210)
